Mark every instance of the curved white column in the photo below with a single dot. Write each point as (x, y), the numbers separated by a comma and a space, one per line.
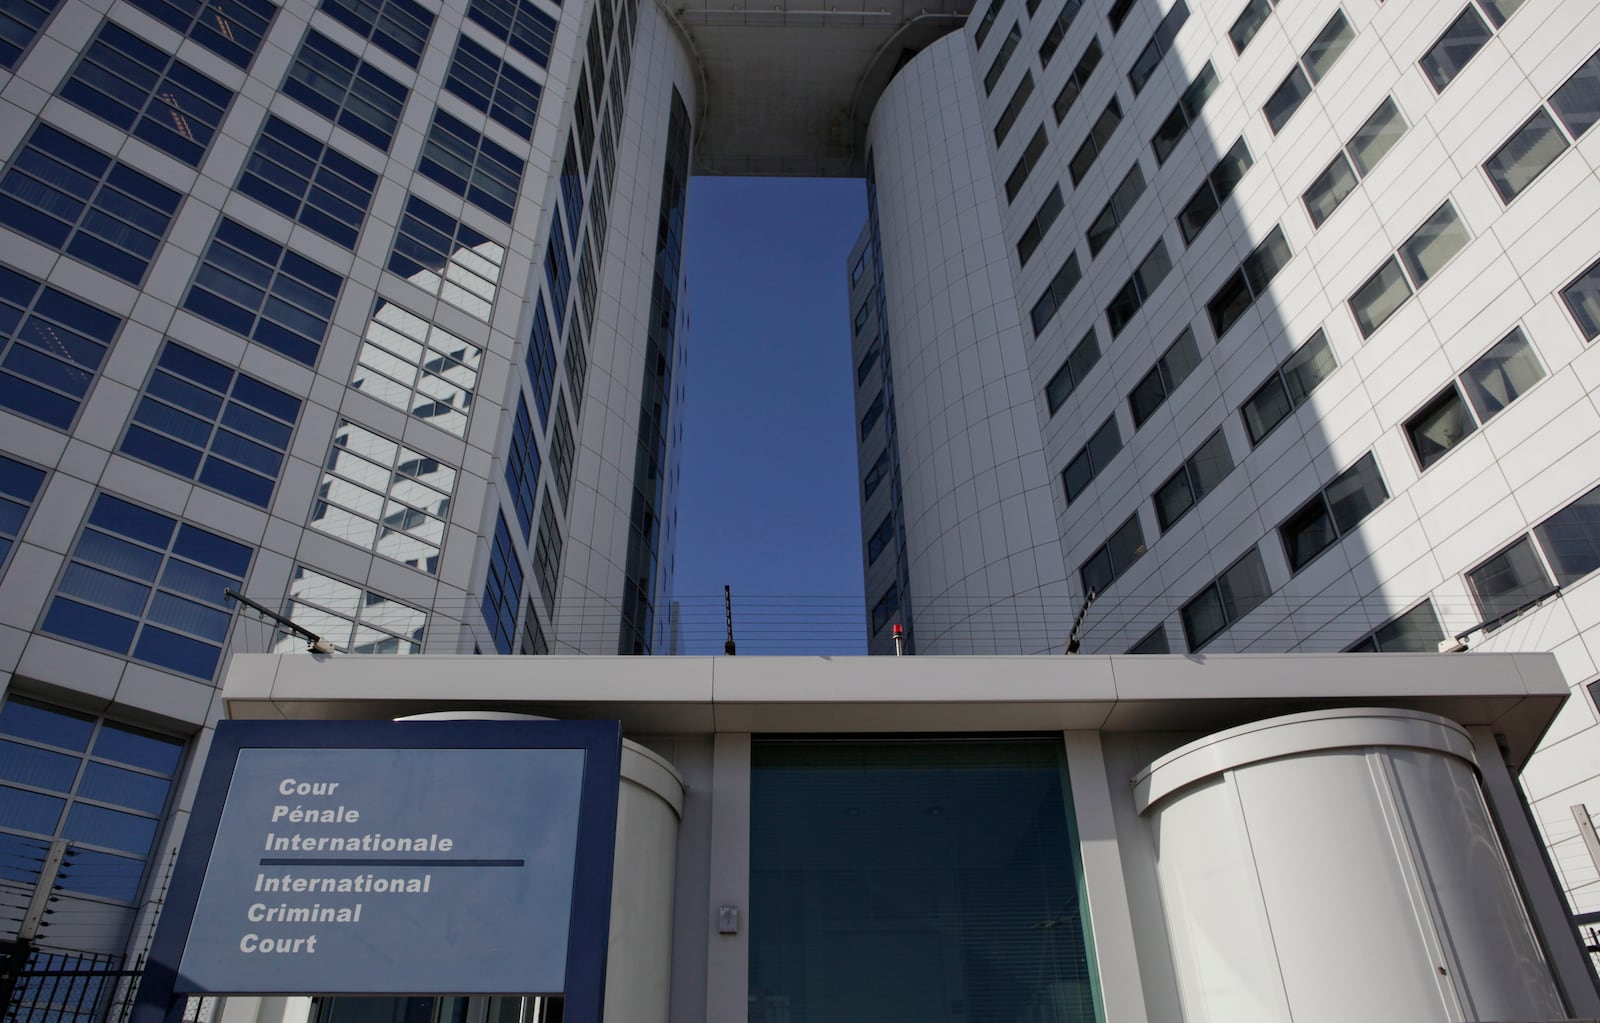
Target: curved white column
(1339, 865)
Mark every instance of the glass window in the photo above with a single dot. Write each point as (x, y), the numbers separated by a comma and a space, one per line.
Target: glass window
(502, 588)
(1116, 209)
(1376, 136)
(1150, 57)
(1355, 493)
(869, 360)
(1248, 23)
(547, 553)
(446, 258)
(1331, 188)
(1008, 46)
(384, 497)
(1195, 478)
(472, 166)
(202, 420)
(1025, 164)
(870, 417)
(1286, 99)
(1077, 366)
(1378, 299)
(1049, 210)
(1577, 102)
(875, 475)
(987, 22)
(51, 348)
(1058, 30)
(557, 273)
(232, 29)
(346, 90)
(1092, 460)
(1500, 10)
(1119, 13)
(1239, 292)
(1439, 426)
(493, 86)
(879, 540)
(562, 451)
(1078, 79)
(398, 27)
(870, 861)
(74, 198)
(1149, 275)
(1525, 155)
(1509, 581)
(1214, 191)
(541, 361)
(1434, 244)
(1055, 294)
(1235, 593)
(1502, 374)
(351, 619)
(1582, 297)
(20, 22)
(1307, 533)
(1417, 631)
(258, 289)
(417, 367)
(522, 466)
(1113, 558)
(19, 486)
(1184, 113)
(1459, 44)
(1102, 131)
(1329, 45)
(299, 177)
(1008, 116)
(144, 585)
(1287, 388)
(111, 781)
(1153, 642)
(1571, 538)
(1170, 370)
(533, 639)
(142, 89)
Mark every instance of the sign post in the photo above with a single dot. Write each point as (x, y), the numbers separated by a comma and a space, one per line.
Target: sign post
(394, 858)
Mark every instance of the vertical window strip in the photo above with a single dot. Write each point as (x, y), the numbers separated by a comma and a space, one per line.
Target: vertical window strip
(502, 588)
(20, 484)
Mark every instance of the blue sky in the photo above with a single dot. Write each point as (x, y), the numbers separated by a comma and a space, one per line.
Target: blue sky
(768, 502)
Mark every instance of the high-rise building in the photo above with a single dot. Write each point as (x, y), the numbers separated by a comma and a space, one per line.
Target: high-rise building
(1234, 327)
(374, 314)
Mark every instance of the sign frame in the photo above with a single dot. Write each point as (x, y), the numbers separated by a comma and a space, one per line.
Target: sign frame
(161, 999)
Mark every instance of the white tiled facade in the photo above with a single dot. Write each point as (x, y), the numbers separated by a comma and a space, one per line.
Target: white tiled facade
(371, 506)
(985, 458)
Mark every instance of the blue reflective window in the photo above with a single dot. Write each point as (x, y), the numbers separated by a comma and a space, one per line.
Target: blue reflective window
(260, 290)
(51, 346)
(445, 257)
(572, 190)
(494, 87)
(143, 89)
(144, 585)
(309, 182)
(541, 361)
(481, 171)
(346, 90)
(201, 420)
(230, 28)
(19, 485)
(75, 198)
(399, 27)
(557, 271)
(522, 466)
(20, 22)
(112, 782)
(529, 30)
(502, 589)
(547, 554)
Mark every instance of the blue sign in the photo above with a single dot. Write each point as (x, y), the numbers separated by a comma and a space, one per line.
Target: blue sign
(394, 858)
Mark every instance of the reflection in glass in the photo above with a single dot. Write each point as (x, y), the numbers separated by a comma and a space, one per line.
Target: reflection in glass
(353, 620)
(916, 880)
(385, 497)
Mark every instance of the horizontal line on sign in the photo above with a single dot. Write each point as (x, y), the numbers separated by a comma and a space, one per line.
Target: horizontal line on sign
(295, 861)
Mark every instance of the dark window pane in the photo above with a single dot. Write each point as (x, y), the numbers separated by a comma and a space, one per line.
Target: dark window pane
(1416, 631)
(1571, 538)
(1248, 23)
(1228, 304)
(1577, 102)
(1330, 189)
(1307, 533)
(1355, 493)
(1154, 642)
(1459, 44)
(1329, 45)
(1582, 297)
(1286, 99)
(1376, 300)
(1509, 580)
(1525, 155)
(1173, 498)
(1441, 424)
(1502, 374)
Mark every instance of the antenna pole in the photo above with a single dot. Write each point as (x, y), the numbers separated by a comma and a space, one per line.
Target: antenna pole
(727, 607)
